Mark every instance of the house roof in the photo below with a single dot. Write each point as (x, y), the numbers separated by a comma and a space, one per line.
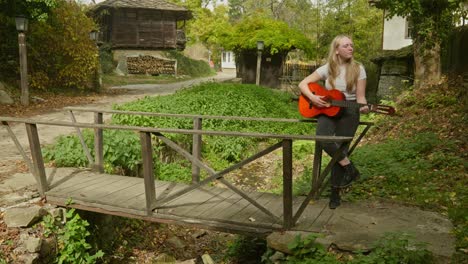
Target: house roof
(143, 4)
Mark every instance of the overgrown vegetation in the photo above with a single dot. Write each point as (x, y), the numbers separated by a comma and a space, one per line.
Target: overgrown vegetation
(71, 234)
(218, 99)
(392, 248)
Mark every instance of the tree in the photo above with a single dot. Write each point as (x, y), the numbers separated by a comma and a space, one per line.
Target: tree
(33, 9)
(432, 22)
(277, 36)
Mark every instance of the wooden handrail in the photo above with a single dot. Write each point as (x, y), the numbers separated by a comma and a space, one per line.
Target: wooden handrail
(178, 131)
(240, 118)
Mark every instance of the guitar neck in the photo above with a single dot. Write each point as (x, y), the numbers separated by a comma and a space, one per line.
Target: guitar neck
(342, 103)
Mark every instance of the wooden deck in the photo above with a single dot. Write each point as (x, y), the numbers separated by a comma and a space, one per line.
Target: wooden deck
(207, 207)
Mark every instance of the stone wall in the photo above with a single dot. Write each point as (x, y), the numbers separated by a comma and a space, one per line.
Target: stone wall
(395, 75)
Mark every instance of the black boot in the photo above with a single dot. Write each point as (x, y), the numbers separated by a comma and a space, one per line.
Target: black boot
(350, 174)
(335, 199)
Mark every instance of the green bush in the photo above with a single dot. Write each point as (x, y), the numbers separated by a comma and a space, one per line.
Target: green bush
(122, 151)
(219, 99)
(72, 246)
(191, 67)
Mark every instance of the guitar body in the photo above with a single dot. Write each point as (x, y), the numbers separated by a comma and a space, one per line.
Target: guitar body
(308, 110)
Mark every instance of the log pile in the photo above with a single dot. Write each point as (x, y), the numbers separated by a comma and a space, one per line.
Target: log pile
(145, 64)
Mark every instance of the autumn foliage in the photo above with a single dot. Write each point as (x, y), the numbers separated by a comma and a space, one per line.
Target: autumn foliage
(61, 55)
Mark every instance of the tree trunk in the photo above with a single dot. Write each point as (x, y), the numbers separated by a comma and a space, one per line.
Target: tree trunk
(427, 64)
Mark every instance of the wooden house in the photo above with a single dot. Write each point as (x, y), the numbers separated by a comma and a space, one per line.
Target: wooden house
(142, 24)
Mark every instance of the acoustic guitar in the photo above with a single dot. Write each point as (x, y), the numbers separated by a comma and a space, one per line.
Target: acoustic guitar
(336, 100)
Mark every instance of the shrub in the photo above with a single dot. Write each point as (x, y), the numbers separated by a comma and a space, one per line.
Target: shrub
(61, 55)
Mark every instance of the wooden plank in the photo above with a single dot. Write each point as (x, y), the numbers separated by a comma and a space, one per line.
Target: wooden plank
(78, 177)
(71, 186)
(216, 197)
(185, 204)
(240, 210)
(120, 196)
(229, 196)
(258, 216)
(315, 217)
(120, 184)
(162, 191)
(89, 192)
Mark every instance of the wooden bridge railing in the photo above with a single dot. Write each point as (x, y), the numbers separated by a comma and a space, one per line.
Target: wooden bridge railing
(319, 180)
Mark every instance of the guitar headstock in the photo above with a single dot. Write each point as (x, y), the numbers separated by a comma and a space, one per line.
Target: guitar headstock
(383, 109)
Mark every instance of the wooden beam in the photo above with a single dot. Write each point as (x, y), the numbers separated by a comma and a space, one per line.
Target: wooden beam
(147, 155)
(82, 141)
(287, 185)
(196, 149)
(26, 159)
(36, 154)
(98, 143)
(181, 131)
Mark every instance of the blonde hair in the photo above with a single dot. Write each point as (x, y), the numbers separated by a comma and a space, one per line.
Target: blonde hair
(352, 67)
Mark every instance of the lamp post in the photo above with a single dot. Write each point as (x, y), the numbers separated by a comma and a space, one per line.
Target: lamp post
(260, 47)
(22, 27)
(94, 36)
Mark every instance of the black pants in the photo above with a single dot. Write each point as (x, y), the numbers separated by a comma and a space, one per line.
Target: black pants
(345, 124)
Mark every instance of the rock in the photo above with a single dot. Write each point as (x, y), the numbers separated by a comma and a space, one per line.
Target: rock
(207, 259)
(189, 261)
(279, 240)
(199, 233)
(32, 258)
(175, 242)
(164, 259)
(5, 98)
(48, 249)
(23, 216)
(33, 244)
(277, 257)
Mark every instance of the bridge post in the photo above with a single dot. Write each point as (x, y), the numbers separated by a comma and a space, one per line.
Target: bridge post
(196, 149)
(287, 184)
(147, 156)
(38, 161)
(98, 144)
(317, 167)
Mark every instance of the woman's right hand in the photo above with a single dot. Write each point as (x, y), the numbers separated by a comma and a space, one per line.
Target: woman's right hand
(319, 101)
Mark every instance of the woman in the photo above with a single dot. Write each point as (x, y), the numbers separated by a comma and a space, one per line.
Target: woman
(340, 72)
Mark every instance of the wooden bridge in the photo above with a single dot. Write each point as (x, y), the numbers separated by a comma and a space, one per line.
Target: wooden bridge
(227, 208)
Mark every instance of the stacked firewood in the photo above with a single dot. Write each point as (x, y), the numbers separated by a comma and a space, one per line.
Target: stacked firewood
(145, 64)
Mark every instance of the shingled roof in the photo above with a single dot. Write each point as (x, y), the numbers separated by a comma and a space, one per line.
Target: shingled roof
(144, 4)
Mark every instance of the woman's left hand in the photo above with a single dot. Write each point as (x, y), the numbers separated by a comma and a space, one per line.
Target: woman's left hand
(364, 110)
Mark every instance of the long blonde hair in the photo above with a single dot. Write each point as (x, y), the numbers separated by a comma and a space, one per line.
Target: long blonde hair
(352, 67)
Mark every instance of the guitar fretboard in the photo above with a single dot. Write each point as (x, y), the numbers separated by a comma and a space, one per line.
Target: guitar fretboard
(342, 103)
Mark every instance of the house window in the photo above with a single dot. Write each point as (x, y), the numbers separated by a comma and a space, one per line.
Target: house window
(224, 56)
(408, 29)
